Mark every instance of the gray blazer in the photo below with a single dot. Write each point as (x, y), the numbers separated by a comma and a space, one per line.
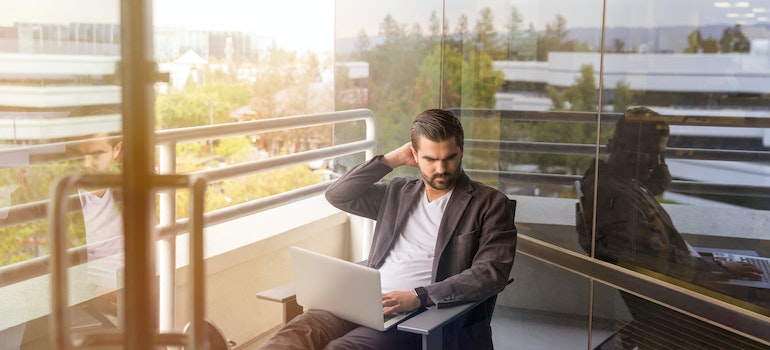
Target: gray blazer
(475, 247)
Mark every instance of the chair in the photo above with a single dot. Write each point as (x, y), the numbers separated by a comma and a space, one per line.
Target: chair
(428, 324)
(582, 223)
(215, 338)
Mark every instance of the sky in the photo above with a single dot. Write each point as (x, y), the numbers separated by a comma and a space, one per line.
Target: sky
(295, 24)
(368, 14)
(310, 24)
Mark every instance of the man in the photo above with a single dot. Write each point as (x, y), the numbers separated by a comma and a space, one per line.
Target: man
(98, 212)
(101, 211)
(440, 239)
(632, 227)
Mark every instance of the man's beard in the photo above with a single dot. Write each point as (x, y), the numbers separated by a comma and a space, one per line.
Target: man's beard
(448, 180)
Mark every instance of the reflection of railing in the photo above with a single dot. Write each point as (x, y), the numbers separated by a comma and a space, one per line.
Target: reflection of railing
(589, 150)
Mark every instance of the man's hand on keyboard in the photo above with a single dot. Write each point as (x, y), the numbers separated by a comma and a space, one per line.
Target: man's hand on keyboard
(742, 270)
(399, 301)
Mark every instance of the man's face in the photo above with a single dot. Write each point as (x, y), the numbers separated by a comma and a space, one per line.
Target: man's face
(640, 158)
(439, 162)
(98, 154)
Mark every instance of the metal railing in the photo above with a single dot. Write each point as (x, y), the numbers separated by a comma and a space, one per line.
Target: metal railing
(169, 227)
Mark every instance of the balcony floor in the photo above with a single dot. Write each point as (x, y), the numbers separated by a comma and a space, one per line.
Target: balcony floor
(528, 329)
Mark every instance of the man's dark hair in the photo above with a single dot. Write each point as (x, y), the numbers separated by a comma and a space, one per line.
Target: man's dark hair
(437, 125)
(640, 124)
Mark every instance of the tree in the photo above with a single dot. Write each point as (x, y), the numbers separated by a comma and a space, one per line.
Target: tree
(513, 29)
(393, 69)
(434, 25)
(555, 38)
(710, 45)
(470, 81)
(462, 28)
(618, 45)
(199, 104)
(390, 29)
(694, 41)
(623, 97)
(733, 40)
(362, 45)
(528, 46)
(486, 36)
(277, 71)
(580, 96)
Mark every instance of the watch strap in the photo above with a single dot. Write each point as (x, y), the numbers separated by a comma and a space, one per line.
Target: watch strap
(422, 295)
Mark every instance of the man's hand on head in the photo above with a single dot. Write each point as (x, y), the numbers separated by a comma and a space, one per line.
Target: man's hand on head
(399, 301)
(400, 156)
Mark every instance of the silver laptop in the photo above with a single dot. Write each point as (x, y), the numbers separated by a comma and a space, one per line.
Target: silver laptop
(347, 290)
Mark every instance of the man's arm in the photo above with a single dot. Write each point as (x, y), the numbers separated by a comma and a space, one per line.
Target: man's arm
(358, 191)
(403, 155)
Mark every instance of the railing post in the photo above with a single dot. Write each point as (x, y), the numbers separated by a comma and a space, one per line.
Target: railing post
(167, 245)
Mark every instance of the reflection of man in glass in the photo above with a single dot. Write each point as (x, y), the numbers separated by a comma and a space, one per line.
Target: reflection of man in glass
(101, 213)
(632, 227)
(98, 211)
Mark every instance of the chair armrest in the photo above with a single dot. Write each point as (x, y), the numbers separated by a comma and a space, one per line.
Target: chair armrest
(430, 322)
(286, 296)
(279, 294)
(434, 318)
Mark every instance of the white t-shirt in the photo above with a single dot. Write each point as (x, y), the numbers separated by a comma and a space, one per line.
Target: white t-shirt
(104, 237)
(409, 263)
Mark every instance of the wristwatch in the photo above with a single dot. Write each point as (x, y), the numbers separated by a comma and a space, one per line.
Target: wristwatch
(422, 294)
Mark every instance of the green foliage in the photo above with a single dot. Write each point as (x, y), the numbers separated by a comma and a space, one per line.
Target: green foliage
(235, 149)
(394, 67)
(406, 76)
(582, 97)
(555, 39)
(199, 104)
(694, 41)
(520, 44)
(623, 97)
(244, 189)
(733, 40)
(710, 45)
(486, 35)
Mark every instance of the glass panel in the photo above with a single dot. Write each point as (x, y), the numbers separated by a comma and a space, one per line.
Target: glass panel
(59, 115)
(388, 56)
(232, 65)
(704, 74)
(546, 308)
(498, 57)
